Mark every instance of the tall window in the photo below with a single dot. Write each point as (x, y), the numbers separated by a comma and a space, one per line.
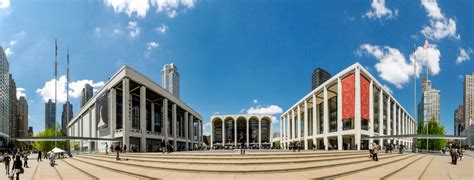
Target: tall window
(321, 118)
(217, 126)
(170, 120)
(253, 131)
(135, 112)
(310, 121)
(158, 122)
(118, 109)
(229, 131)
(376, 106)
(385, 112)
(265, 126)
(148, 116)
(333, 114)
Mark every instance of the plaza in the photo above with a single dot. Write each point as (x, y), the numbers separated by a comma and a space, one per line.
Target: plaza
(254, 165)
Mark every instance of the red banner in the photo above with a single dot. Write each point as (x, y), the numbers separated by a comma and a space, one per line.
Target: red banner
(348, 100)
(364, 98)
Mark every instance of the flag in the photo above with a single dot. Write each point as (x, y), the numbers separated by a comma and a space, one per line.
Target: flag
(56, 47)
(426, 44)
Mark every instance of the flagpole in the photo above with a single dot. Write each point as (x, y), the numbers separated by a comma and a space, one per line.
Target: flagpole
(414, 80)
(427, 74)
(55, 86)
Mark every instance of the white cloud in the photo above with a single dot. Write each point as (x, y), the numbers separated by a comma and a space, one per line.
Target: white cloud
(98, 30)
(140, 8)
(4, 4)
(274, 119)
(463, 55)
(271, 109)
(12, 43)
(116, 31)
(20, 92)
(133, 29)
(8, 51)
(242, 111)
(439, 26)
(393, 67)
(163, 28)
(151, 45)
(255, 101)
(75, 88)
(379, 10)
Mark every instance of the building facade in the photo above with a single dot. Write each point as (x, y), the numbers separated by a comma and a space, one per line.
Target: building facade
(429, 106)
(468, 99)
(170, 79)
(226, 130)
(137, 112)
(348, 107)
(22, 117)
(66, 115)
(86, 94)
(458, 120)
(50, 114)
(318, 77)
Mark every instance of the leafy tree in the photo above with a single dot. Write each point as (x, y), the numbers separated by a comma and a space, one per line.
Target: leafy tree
(433, 128)
(46, 146)
(277, 144)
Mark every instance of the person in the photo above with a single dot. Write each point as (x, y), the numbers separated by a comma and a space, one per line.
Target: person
(17, 167)
(6, 160)
(117, 149)
(52, 158)
(124, 148)
(242, 144)
(167, 146)
(25, 158)
(375, 152)
(112, 148)
(39, 156)
(106, 148)
(163, 147)
(461, 152)
(371, 149)
(348, 146)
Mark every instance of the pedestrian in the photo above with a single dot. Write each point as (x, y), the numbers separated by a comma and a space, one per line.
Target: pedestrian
(375, 152)
(39, 156)
(124, 148)
(163, 147)
(117, 149)
(17, 167)
(106, 148)
(25, 159)
(167, 146)
(6, 160)
(371, 149)
(112, 148)
(242, 143)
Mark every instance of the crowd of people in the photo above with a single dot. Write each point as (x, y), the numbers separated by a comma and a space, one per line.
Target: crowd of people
(18, 161)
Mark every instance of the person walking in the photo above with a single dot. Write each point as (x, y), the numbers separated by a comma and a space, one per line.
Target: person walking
(163, 147)
(242, 143)
(6, 160)
(117, 149)
(375, 152)
(371, 149)
(124, 148)
(106, 148)
(17, 167)
(39, 157)
(25, 159)
(111, 148)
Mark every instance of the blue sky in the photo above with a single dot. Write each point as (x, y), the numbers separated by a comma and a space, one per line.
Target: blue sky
(238, 56)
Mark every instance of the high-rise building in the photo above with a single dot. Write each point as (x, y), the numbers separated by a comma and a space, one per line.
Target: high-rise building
(468, 100)
(170, 79)
(50, 114)
(22, 117)
(429, 106)
(13, 103)
(65, 116)
(86, 94)
(4, 95)
(319, 77)
(458, 120)
(30, 131)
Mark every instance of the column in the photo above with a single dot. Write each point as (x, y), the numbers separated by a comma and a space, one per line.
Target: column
(287, 135)
(305, 125)
(380, 115)
(186, 130)
(201, 141)
(299, 122)
(152, 106)
(191, 132)
(223, 132)
(212, 134)
(113, 112)
(357, 108)
(371, 110)
(271, 133)
(175, 136)
(235, 132)
(326, 118)
(339, 114)
(389, 119)
(398, 122)
(125, 111)
(143, 118)
(293, 128)
(247, 135)
(281, 133)
(259, 133)
(314, 119)
(165, 118)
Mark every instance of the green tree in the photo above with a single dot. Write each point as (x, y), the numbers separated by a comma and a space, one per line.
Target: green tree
(433, 128)
(277, 144)
(46, 146)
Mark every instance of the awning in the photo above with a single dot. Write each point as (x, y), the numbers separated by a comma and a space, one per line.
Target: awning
(65, 138)
(418, 136)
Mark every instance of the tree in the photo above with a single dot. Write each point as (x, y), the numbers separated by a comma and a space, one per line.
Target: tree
(277, 144)
(433, 128)
(46, 146)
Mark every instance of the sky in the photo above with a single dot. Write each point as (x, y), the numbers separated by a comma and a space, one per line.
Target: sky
(238, 56)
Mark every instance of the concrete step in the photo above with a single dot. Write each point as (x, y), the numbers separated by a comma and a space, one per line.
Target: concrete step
(68, 171)
(435, 169)
(383, 170)
(464, 169)
(98, 172)
(413, 171)
(213, 168)
(246, 161)
(237, 153)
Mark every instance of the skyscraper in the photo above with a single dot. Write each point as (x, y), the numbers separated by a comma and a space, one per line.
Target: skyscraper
(22, 117)
(50, 114)
(13, 106)
(30, 131)
(86, 94)
(468, 100)
(429, 104)
(170, 79)
(319, 77)
(65, 116)
(4, 95)
(458, 120)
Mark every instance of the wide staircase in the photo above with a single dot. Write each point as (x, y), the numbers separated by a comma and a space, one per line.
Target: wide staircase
(269, 165)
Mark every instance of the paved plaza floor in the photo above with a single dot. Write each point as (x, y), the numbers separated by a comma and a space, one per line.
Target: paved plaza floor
(258, 165)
